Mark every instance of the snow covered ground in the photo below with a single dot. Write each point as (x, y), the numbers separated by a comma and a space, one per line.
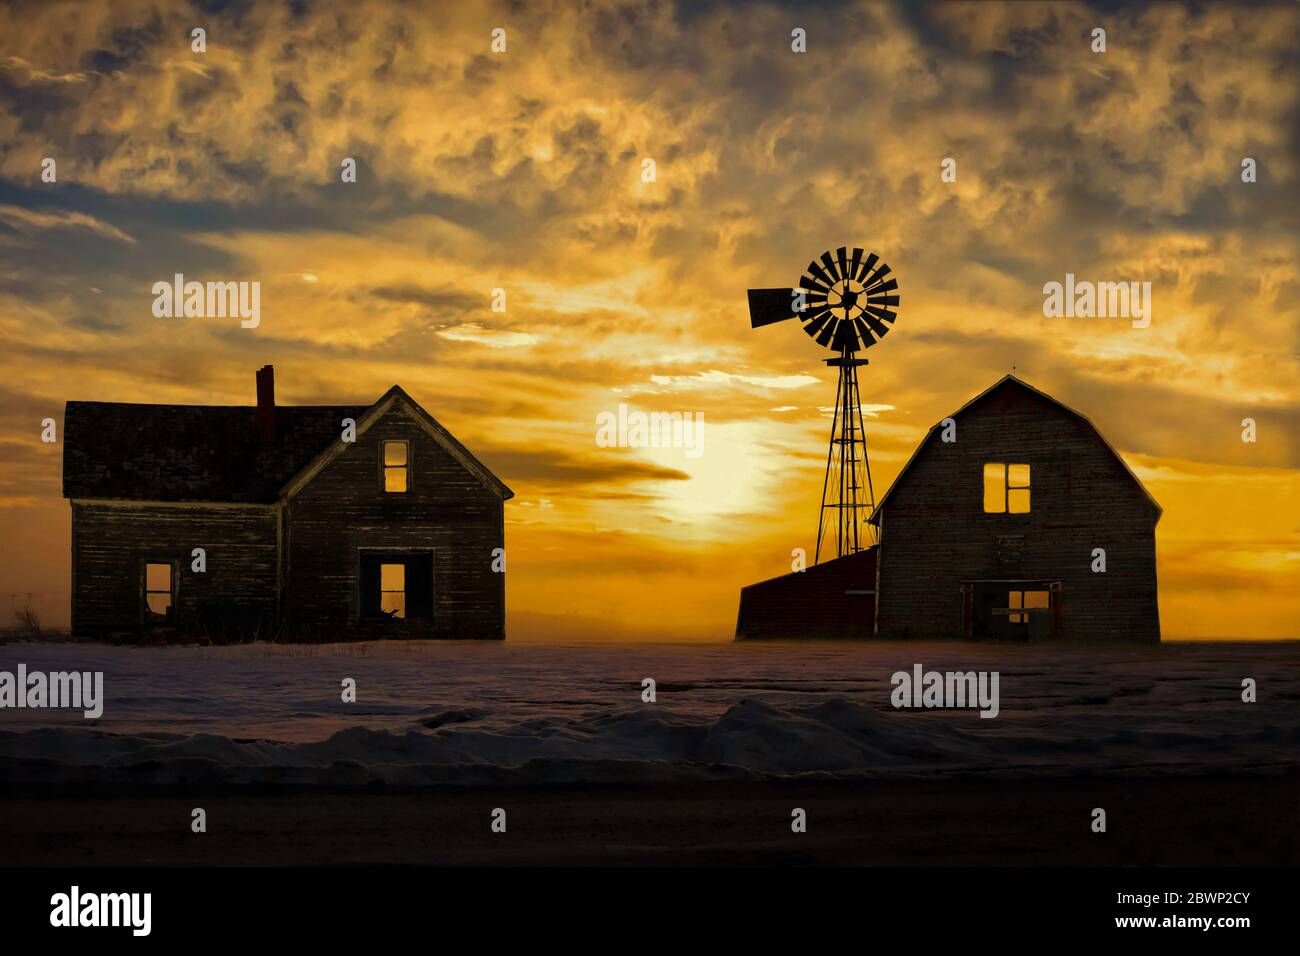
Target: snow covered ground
(496, 713)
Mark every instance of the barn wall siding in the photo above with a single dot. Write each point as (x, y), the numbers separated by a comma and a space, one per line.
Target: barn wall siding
(109, 542)
(812, 604)
(935, 534)
(342, 509)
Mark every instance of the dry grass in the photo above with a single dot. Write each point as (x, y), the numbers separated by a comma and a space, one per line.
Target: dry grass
(264, 649)
(28, 623)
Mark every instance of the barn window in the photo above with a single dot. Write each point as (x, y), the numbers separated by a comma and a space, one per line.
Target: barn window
(392, 590)
(397, 466)
(1006, 488)
(1020, 602)
(159, 589)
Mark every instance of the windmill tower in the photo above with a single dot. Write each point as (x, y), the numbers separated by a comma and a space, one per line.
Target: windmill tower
(846, 302)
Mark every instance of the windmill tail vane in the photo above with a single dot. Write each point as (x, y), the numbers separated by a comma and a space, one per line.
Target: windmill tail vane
(846, 302)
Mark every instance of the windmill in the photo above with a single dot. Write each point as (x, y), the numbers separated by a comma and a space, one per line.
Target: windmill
(846, 302)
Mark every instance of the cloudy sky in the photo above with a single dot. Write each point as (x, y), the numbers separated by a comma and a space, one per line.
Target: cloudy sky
(523, 171)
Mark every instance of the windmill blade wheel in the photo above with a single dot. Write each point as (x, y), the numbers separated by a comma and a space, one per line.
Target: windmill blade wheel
(856, 299)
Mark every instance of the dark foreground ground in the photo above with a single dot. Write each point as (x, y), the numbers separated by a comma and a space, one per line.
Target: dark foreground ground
(1185, 821)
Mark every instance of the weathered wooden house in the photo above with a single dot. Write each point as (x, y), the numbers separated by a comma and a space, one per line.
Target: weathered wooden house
(1013, 519)
(327, 522)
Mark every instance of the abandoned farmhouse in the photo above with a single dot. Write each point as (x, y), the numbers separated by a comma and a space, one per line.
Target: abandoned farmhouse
(1013, 519)
(334, 522)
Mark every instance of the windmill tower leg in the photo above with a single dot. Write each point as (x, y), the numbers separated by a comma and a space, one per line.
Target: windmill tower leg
(829, 494)
(847, 494)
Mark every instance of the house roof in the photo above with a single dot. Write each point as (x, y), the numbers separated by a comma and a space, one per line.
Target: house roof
(1012, 380)
(212, 453)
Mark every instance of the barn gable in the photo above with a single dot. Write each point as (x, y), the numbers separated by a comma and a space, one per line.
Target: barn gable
(1010, 388)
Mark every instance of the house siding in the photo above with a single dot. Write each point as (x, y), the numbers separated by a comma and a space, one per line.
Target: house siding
(934, 534)
(343, 510)
(110, 542)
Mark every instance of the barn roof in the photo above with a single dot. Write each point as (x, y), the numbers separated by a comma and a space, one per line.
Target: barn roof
(136, 452)
(1012, 380)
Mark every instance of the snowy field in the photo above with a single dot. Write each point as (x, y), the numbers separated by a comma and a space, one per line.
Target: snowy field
(497, 713)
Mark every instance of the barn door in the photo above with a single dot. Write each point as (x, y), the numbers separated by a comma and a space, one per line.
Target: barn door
(1011, 610)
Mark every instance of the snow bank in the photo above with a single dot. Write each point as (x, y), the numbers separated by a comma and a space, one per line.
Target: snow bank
(442, 715)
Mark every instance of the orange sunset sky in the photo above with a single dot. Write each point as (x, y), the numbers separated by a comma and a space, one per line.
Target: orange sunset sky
(523, 171)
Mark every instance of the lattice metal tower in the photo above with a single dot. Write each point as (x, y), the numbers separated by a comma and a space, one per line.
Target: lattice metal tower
(846, 302)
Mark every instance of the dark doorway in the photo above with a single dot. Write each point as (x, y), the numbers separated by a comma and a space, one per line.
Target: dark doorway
(397, 586)
(1012, 610)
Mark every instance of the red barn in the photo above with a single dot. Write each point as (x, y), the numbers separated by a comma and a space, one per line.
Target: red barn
(835, 599)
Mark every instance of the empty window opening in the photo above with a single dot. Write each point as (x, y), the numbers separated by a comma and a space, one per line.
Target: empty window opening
(392, 590)
(159, 596)
(396, 585)
(397, 466)
(1020, 604)
(1006, 488)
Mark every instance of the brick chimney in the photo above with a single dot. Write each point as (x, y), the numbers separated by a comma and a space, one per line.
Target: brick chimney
(266, 404)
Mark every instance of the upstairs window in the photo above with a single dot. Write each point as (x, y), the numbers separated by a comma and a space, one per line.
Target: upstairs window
(396, 460)
(159, 590)
(1006, 489)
